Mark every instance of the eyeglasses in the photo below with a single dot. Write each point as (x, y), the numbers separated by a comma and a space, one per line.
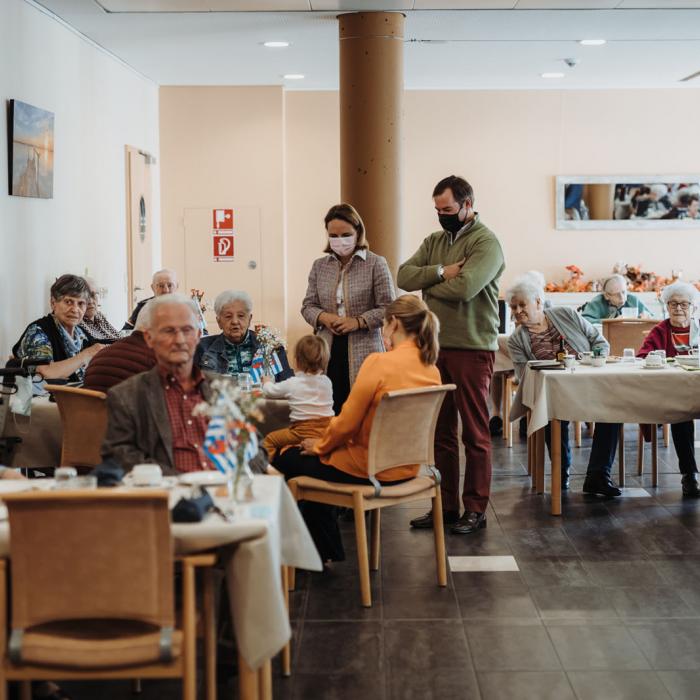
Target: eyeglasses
(684, 305)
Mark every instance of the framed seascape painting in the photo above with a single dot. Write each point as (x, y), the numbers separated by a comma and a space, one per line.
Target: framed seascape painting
(30, 141)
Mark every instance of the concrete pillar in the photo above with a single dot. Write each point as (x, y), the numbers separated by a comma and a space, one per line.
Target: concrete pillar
(371, 112)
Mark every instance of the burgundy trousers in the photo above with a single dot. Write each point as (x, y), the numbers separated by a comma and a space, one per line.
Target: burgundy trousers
(471, 371)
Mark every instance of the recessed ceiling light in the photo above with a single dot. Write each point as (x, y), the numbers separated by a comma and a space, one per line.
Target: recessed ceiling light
(592, 42)
(293, 76)
(276, 44)
(552, 75)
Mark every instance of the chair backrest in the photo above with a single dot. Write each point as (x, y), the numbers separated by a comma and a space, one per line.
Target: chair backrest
(403, 427)
(626, 333)
(78, 555)
(84, 420)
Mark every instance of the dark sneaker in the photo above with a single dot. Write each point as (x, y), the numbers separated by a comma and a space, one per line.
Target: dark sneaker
(496, 426)
(690, 486)
(601, 485)
(425, 522)
(469, 523)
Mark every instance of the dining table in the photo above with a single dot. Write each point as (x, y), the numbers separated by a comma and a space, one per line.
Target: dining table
(618, 392)
(253, 541)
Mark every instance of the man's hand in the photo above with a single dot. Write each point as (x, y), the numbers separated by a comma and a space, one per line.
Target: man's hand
(308, 446)
(345, 325)
(451, 271)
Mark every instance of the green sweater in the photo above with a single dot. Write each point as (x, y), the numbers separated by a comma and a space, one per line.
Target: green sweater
(467, 305)
(598, 308)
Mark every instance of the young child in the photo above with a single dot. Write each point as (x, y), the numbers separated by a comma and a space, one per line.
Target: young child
(309, 392)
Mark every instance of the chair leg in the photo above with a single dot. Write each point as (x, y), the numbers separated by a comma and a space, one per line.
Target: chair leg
(208, 610)
(362, 555)
(507, 402)
(189, 680)
(25, 690)
(247, 681)
(287, 650)
(640, 452)
(265, 681)
(578, 440)
(621, 455)
(136, 688)
(439, 534)
(375, 535)
(654, 456)
(539, 461)
(667, 434)
(591, 428)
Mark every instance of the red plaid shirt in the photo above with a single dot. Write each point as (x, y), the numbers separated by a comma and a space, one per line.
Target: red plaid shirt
(188, 430)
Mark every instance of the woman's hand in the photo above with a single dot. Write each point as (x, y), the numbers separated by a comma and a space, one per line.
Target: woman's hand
(328, 320)
(308, 446)
(11, 474)
(90, 352)
(346, 325)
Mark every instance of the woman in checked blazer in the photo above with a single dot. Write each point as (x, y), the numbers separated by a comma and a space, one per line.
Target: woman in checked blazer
(349, 288)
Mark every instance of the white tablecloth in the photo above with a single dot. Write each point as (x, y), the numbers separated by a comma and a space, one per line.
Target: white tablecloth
(262, 536)
(615, 393)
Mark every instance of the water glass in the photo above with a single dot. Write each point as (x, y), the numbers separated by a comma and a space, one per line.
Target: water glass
(629, 313)
(661, 354)
(628, 355)
(245, 381)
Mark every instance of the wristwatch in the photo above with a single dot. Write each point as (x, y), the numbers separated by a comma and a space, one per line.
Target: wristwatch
(441, 272)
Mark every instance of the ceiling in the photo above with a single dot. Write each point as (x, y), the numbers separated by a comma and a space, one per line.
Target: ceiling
(449, 44)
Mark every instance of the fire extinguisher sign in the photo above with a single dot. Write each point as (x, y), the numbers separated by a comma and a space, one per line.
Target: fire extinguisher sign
(223, 248)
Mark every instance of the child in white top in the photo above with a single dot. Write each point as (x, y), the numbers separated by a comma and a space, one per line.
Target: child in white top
(310, 396)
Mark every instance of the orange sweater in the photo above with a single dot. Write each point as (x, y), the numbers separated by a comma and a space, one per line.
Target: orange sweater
(344, 444)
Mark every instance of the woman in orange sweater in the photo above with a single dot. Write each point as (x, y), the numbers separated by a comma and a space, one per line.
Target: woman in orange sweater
(410, 333)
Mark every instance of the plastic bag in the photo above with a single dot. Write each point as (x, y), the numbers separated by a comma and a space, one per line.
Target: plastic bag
(21, 400)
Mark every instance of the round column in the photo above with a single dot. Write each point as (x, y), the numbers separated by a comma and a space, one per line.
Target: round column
(371, 106)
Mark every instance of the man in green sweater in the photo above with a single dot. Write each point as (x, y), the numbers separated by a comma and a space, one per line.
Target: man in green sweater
(457, 269)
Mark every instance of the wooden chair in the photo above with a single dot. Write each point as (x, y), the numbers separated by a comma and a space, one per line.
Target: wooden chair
(624, 333)
(92, 591)
(403, 431)
(84, 420)
(506, 405)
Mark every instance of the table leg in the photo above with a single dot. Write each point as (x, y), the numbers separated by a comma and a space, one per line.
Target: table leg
(287, 650)
(654, 455)
(530, 450)
(621, 455)
(556, 467)
(507, 400)
(539, 460)
(247, 681)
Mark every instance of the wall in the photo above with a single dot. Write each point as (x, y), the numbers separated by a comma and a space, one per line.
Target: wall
(509, 145)
(224, 147)
(100, 106)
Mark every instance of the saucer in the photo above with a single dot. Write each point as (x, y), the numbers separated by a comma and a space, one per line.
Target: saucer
(208, 478)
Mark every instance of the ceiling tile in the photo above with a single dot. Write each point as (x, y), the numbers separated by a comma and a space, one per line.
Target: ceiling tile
(464, 4)
(130, 6)
(360, 5)
(659, 4)
(566, 4)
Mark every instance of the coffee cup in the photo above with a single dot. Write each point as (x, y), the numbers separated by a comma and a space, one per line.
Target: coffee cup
(147, 475)
(585, 357)
(598, 361)
(653, 360)
(569, 361)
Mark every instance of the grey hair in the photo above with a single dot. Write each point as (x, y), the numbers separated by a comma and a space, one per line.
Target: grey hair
(228, 296)
(164, 271)
(147, 314)
(616, 276)
(527, 286)
(681, 289)
(143, 319)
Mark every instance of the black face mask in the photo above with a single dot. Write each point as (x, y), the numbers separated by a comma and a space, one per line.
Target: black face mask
(451, 222)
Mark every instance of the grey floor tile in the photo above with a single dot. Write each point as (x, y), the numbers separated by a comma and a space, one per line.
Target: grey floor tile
(419, 603)
(623, 573)
(548, 685)
(425, 646)
(554, 571)
(670, 645)
(617, 685)
(439, 685)
(408, 571)
(369, 686)
(597, 647)
(682, 685)
(678, 570)
(574, 602)
(511, 648)
(487, 579)
(341, 647)
(414, 543)
(541, 542)
(342, 605)
(648, 601)
(495, 601)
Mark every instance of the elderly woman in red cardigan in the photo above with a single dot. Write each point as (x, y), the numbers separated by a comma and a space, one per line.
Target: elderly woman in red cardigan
(677, 335)
(349, 288)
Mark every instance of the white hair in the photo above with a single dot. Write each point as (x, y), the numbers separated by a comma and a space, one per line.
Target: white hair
(228, 296)
(143, 319)
(527, 286)
(680, 289)
(616, 276)
(164, 271)
(148, 313)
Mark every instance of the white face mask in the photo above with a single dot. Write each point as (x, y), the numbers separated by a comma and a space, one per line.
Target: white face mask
(343, 246)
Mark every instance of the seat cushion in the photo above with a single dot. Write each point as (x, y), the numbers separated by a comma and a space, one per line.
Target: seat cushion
(93, 644)
(407, 488)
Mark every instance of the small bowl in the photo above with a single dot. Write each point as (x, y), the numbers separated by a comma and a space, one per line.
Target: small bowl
(598, 361)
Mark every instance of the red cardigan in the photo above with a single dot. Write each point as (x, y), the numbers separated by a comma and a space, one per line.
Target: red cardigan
(659, 338)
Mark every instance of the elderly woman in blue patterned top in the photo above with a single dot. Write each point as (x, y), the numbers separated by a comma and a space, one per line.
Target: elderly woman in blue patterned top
(57, 336)
(233, 350)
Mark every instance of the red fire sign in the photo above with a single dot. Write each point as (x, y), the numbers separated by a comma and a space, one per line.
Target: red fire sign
(223, 248)
(223, 219)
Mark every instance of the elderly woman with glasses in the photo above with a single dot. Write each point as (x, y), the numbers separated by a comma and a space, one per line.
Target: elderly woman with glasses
(540, 332)
(677, 335)
(234, 349)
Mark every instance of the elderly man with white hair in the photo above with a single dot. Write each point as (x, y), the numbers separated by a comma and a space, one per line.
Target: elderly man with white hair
(614, 298)
(163, 282)
(677, 335)
(233, 350)
(539, 334)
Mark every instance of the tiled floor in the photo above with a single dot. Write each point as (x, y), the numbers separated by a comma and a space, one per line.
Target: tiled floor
(604, 604)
